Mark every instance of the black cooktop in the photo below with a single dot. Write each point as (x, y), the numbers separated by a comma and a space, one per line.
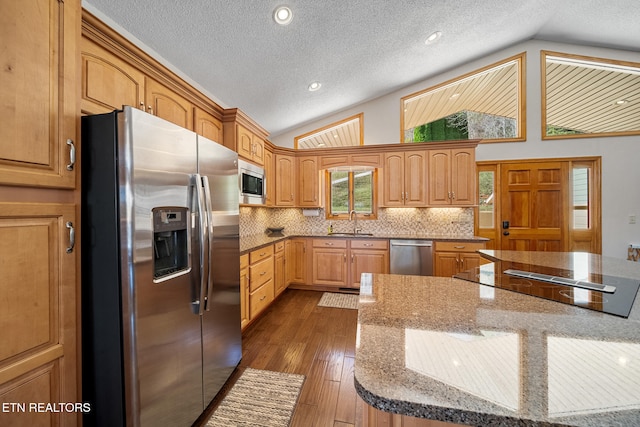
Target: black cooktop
(604, 293)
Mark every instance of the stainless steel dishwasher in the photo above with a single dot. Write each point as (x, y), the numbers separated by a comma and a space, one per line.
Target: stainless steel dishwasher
(413, 257)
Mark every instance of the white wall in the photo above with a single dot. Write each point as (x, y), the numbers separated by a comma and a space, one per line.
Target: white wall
(620, 155)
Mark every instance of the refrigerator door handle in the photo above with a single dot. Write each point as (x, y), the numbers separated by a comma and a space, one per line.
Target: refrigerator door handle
(208, 281)
(203, 246)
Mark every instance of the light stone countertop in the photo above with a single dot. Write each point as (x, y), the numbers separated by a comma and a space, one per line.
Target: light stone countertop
(456, 351)
(256, 241)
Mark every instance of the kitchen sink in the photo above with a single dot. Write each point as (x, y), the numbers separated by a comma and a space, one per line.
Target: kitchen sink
(349, 234)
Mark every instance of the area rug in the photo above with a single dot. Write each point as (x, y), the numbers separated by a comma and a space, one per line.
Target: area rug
(332, 299)
(259, 398)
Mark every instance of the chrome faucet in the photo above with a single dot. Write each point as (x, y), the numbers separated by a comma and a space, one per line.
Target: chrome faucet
(356, 230)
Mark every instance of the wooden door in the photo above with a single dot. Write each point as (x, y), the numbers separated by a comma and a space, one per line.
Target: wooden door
(38, 92)
(298, 261)
(244, 142)
(329, 267)
(207, 125)
(445, 264)
(367, 261)
(38, 308)
(270, 178)
(463, 177)
(393, 179)
(285, 177)
(415, 178)
(534, 202)
(308, 181)
(439, 177)
(258, 150)
(108, 82)
(168, 105)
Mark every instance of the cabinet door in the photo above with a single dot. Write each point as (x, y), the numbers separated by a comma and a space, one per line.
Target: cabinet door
(278, 273)
(393, 180)
(39, 56)
(439, 177)
(308, 181)
(367, 261)
(270, 178)
(244, 296)
(258, 150)
(298, 265)
(244, 142)
(38, 310)
(285, 180)
(329, 267)
(415, 178)
(164, 103)
(463, 177)
(207, 125)
(446, 264)
(469, 261)
(108, 82)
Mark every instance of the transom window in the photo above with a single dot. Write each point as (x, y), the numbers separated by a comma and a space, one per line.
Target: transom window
(351, 189)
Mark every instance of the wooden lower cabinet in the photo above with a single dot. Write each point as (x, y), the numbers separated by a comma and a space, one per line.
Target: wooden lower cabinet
(244, 290)
(297, 261)
(452, 257)
(368, 256)
(279, 276)
(38, 308)
(329, 266)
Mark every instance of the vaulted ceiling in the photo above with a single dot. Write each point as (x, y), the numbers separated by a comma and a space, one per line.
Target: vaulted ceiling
(357, 49)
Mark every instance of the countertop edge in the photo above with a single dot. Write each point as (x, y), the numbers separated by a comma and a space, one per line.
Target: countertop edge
(436, 238)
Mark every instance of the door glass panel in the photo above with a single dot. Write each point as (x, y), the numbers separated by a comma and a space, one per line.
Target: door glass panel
(363, 191)
(486, 180)
(580, 202)
(339, 192)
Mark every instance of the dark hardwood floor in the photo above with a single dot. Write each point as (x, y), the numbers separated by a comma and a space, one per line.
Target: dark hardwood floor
(295, 335)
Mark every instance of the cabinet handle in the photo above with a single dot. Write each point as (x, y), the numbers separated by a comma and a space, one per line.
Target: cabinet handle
(345, 257)
(328, 244)
(459, 247)
(142, 105)
(72, 236)
(453, 194)
(262, 299)
(262, 254)
(351, 258)
(368, 244)
(149, 109)
(72, 155)
(263, 273)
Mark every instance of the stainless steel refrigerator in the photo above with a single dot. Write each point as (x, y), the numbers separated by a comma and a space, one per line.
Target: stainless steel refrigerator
(160, 270)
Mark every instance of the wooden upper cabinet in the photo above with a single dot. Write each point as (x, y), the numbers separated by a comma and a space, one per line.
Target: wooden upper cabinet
(248, 145)
(108, 82)
(308, 188)
(405, 179)
(285, 180)
(38, 92)
(207, 125)
(452, 177)
(166, 104)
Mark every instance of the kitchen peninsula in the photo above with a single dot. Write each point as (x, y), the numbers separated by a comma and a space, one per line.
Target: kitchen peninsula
(450, 350)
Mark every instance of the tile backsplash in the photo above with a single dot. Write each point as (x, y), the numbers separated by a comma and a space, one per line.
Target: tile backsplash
(440, 221)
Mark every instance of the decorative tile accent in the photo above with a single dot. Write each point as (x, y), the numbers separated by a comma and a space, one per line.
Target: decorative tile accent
(440, 221)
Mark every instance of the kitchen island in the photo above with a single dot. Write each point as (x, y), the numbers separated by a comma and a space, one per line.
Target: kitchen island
(454, 351)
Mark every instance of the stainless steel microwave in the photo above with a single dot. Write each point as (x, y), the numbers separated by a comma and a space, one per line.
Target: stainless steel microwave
(252, 183)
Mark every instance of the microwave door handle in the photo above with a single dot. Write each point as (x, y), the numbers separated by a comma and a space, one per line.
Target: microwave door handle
(209, 208)
(203, 245)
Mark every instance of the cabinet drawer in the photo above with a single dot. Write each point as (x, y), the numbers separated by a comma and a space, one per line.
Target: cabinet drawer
(279, 246)
(459, 246)
(260, 254)
(259, 273)
(329, 243)
(244, 261)
(261, 298)
(369, 244)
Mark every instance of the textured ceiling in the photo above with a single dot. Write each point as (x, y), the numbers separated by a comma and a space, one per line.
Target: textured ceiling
(357, 49)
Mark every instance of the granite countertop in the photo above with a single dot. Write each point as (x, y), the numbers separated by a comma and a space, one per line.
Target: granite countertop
(455, 351)
(256, 241)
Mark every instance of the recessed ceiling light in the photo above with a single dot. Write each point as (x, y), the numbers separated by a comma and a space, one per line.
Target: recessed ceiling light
(433, 37)
(282, 15)
(622, 102)
(314, 86)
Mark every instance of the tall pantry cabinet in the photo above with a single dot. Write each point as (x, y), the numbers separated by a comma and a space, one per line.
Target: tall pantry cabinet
(39, 196)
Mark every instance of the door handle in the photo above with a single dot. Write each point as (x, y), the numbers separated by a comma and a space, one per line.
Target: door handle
(505, 233)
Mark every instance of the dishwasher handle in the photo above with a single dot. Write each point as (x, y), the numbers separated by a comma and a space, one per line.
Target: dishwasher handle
(426, 244)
